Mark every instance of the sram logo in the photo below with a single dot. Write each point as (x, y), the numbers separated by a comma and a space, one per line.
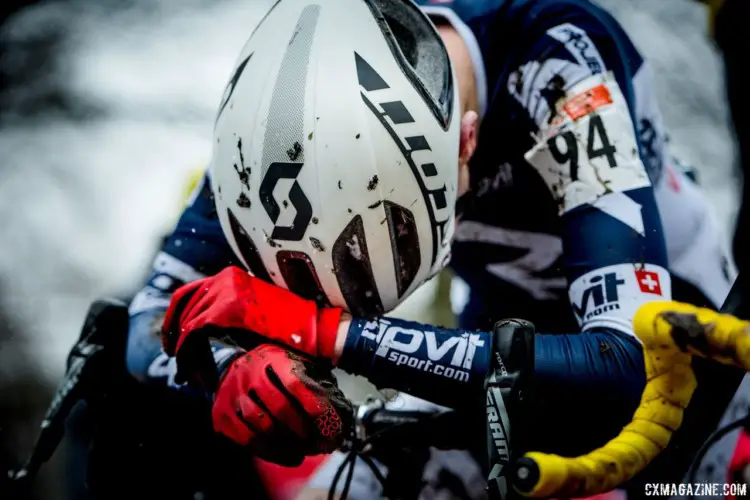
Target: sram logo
(600, 296)
(449, 356)
(498, 424)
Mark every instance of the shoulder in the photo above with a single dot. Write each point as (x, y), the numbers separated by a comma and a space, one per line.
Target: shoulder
(575, 31)
(556, 45)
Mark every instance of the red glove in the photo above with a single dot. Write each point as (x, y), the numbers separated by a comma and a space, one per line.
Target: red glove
(281, 406)
(237, 305)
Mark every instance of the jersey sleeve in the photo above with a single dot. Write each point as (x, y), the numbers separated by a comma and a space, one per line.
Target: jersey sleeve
(576, 87)
(195, 249)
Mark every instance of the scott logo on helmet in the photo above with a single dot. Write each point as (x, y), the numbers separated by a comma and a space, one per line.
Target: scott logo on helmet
(297, 198)
(370, 81)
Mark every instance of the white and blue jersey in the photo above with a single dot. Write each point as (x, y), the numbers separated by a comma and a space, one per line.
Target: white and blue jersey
(579, 214)
(531, 237)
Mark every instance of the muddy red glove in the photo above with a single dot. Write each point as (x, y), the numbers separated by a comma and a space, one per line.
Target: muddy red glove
(281, 406)
(248, 310)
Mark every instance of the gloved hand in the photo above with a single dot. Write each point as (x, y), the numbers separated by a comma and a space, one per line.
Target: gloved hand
(247, 310)
(281, 406)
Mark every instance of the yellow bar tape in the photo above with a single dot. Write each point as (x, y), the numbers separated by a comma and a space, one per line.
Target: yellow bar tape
(671, 333)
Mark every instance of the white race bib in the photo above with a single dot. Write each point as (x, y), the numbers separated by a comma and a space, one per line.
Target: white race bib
(590, 148)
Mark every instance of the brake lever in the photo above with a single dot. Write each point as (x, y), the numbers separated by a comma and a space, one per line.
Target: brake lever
(90, 367)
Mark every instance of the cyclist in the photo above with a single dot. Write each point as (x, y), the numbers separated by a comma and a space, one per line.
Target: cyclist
(343, 152)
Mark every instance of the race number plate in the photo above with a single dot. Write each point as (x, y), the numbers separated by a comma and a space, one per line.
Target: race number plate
(590, 148)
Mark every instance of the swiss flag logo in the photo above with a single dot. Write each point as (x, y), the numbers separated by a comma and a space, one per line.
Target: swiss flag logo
(648, 282)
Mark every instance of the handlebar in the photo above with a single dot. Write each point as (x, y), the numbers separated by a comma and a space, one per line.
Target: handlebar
(94, 366)
(387, 435)
(375, 423)
(671, 334)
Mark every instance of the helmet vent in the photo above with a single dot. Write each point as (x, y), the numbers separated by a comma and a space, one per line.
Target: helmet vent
(351, 264)
(247, 249)
(407, 256)
(299, 274)
(419, 51)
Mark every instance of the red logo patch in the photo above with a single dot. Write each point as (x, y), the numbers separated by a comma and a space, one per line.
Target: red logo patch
(648, 282)
(587, 102)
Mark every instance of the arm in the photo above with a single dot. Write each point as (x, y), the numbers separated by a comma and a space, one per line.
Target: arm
(195, 249)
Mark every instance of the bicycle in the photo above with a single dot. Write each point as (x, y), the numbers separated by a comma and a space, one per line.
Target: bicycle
(400, 440)
(671, 334)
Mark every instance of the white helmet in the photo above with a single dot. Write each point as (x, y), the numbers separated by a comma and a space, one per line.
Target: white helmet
(335, 162)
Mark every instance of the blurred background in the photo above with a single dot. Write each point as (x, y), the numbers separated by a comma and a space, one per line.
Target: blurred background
(106, 108)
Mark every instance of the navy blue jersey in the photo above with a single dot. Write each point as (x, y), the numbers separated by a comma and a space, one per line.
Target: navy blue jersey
(578, 216)
(515, 242)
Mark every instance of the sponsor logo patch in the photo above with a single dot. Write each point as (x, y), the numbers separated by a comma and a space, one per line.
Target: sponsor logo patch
(609, 297)
(587, 102)
(600, 295)
(579, 45)
(497, 422)
(424, 350)
(648, 282)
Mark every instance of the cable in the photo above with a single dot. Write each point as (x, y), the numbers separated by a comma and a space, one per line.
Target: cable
(354, 453)
(349, 477)
(351, 458)
(374, 468)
